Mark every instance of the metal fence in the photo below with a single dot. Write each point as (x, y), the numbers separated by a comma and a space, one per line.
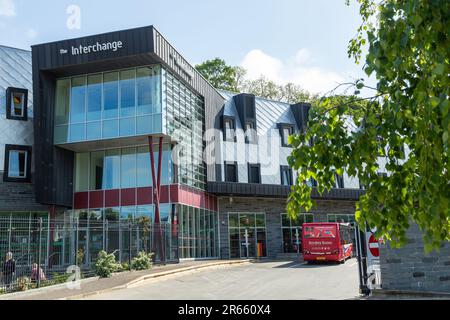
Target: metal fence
(39, 252)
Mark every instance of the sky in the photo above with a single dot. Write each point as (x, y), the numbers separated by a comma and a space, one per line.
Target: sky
(299, 41)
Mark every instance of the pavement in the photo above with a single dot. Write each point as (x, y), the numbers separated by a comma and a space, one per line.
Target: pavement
(256, 280)
(95, 286)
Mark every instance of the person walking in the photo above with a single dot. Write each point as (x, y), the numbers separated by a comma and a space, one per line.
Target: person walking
(8, 270)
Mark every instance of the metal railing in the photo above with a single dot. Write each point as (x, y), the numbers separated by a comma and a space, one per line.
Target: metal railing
(40, 252)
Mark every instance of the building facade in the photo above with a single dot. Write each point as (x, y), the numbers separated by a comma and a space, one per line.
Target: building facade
(125, 127)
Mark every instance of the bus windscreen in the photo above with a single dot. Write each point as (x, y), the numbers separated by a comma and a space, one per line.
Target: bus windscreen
(320, 232)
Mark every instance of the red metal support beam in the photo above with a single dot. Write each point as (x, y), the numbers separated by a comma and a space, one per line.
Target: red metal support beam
(156, 182)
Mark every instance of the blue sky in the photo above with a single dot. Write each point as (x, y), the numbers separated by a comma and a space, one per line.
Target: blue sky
(302, 41)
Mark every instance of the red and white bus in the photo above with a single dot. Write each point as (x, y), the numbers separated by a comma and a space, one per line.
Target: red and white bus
(326, 241)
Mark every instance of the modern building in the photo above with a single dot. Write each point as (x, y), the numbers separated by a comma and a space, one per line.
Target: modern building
(126, 127)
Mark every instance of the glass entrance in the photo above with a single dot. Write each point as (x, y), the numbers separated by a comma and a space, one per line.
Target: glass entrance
(247, 230)
(289, 228)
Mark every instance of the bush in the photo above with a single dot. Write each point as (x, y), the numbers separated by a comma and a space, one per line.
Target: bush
(143, 261)
(126, 266)
(106, 264)
(23, 284)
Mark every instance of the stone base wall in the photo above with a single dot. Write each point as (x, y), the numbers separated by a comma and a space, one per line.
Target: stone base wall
(18, 197)
(273, 209)
(409, 268)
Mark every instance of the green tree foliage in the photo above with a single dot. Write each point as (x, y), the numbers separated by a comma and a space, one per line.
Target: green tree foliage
(221, 75)
(406, 123)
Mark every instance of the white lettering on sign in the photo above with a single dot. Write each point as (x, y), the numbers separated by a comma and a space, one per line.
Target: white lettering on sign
(98, 47)
(182, 67)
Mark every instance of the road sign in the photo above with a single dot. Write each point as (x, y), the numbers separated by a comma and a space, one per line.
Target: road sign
(374, 246)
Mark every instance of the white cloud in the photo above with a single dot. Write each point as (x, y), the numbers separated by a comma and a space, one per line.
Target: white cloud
(298, 69)
(7, 8)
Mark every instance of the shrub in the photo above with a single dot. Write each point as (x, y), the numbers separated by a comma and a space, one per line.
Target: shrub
(143, 261)
(23, 284)
(106, 264)
(126, 266)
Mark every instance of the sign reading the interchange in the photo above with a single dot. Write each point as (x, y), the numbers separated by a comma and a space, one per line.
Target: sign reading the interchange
(98, 47)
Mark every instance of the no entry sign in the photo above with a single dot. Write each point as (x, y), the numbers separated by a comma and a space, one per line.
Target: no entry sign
(374, 246)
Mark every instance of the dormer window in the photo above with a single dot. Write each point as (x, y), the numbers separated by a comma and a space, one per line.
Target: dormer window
(338, 181)
(17, 104)
(250, 133)
(229, 129)
(285, 131)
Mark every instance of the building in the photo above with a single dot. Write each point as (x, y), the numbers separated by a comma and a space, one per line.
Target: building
(17, 165)
(121, 124)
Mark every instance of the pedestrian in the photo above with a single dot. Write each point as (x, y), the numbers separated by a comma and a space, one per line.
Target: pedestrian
(37, 273)
(8, 270)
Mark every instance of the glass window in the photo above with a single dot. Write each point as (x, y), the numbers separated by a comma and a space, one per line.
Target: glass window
(94, 130)
(146, 211)
(249, 132)
(127, 213)
(233, 220)
(164, 212)
(285, 221)
(17, 164)
(17, 104)
(247, 220)
(94, 92)
(144, 91)
(110, 128)
(127, 93)
(112, 169)
(111, 95)
(61, 133)
(78, 100)
(112, 214)
(77, 132)
(287, 131)
(62, 101)
(128, 168)
(260, 220)
(144, 177)
(254, 173)
(229, 130)
(96, 169)
(230, 172)
(127, 127)
(82, 172)
(144, 125)
(286, 176)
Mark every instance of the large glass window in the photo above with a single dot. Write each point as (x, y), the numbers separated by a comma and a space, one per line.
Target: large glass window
(112, 170)
(127, 93)
(94, 102)
(128, 168)
(17, 164)
(111, 95)
(78, 100)
(108, 105)
(96, 168)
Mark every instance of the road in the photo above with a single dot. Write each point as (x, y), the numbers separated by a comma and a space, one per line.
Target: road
(252, 281)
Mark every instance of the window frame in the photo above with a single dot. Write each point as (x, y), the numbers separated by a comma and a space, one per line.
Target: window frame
(254, 165)
(281, 127)
(252, 132)
(20, 148)
(289, 169)
(9, 93)
(227, 163)
(233, 128)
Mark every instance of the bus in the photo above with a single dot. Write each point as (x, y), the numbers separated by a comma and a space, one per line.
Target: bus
(327, 241)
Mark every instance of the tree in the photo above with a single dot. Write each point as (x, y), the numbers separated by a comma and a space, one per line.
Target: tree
(406, 122)
(221, 75)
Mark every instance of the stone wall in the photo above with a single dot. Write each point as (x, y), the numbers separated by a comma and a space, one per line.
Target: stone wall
(18, 197)
(409, 268)
(272, 208)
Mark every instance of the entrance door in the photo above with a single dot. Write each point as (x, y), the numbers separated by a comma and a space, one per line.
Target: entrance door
(251, 243)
